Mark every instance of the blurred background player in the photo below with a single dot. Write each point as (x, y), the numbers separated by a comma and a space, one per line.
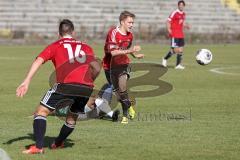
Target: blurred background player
(116, 62)
(76, 69)
(175, 26)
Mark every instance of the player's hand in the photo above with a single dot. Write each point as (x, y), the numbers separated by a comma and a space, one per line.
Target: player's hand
(187, 26)
(22, 89)
(136, 48)
(169, 32)
(139, 56)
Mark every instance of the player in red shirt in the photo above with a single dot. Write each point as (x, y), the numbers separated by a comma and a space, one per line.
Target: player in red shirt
(76, 69)
(118, 46)
(175, 26)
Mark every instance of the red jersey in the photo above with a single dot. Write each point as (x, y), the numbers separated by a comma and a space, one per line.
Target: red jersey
(176, 20)
(71, 60)
(116, 41)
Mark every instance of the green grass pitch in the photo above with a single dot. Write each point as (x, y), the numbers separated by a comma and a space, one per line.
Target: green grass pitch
(208, 101)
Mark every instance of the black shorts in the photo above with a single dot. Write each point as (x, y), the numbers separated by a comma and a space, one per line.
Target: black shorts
(62, 95)
(177, 42)
(113, 74)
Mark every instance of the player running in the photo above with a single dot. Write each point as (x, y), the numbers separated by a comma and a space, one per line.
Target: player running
(116, 62)
(175, 26)
(76, 68)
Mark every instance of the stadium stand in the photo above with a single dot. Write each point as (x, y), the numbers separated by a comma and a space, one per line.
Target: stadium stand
(93, 17)
(233, 4)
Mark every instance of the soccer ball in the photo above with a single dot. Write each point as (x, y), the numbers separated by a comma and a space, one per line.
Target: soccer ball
(204, 56)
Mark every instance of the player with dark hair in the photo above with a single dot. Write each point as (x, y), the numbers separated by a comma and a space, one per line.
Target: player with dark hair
(76, 68)
(175, 25)
(118, 46)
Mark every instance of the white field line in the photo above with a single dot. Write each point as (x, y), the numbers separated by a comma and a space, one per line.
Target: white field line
(221, 71)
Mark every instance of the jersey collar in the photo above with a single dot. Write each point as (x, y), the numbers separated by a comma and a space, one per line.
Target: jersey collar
(181, 12)
(118, 29)
(67, 36)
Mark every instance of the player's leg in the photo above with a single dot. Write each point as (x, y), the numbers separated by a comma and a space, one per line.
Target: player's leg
(119, 77)
(66, 130)
(125, 75)
(47, 105)
(179, 56)
(90, 105)
(107, 89)
(170, 53)
(39, 129)
(123, 97)
(106, 92)
(95, 108)
(101, 104)
(70, 123)
(40, 124)
(125, 100)
(179, 52)
(104, 110)
(107, 97)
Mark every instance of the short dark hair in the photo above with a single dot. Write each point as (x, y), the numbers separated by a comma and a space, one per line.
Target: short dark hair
(181, 1)
(66, 27)
(125, 14)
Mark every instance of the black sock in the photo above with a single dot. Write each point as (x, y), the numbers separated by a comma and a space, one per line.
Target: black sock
(66, 130)
(124, 99)
(39, 129)
(168, 55)
(125, 107)
(179, 59)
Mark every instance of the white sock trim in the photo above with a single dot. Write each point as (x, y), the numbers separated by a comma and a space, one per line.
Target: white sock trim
(87, 109)
(69, 125)
(40, 117)
(98, 102)
(110, 113)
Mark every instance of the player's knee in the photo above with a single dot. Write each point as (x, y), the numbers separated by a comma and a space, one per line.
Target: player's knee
(180, 50)
(70, 124)
(71, 118)
(176, 50)
(71, 121)
(42, 111)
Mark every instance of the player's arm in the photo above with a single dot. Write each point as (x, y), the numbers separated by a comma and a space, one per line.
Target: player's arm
(135, 54)
(169, 27)
(138, 55)
(118, 52)
(186, 25)
(168, 23)
(96, 66)
(23, 87)
(132, 50)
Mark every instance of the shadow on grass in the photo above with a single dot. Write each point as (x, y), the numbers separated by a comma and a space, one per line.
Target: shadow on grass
(47, 141)
(171, 66)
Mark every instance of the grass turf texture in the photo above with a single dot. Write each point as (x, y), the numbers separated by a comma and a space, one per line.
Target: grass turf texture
(212, 133)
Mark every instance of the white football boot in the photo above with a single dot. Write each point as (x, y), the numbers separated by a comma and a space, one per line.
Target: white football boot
(164, 62)
(179, 67)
